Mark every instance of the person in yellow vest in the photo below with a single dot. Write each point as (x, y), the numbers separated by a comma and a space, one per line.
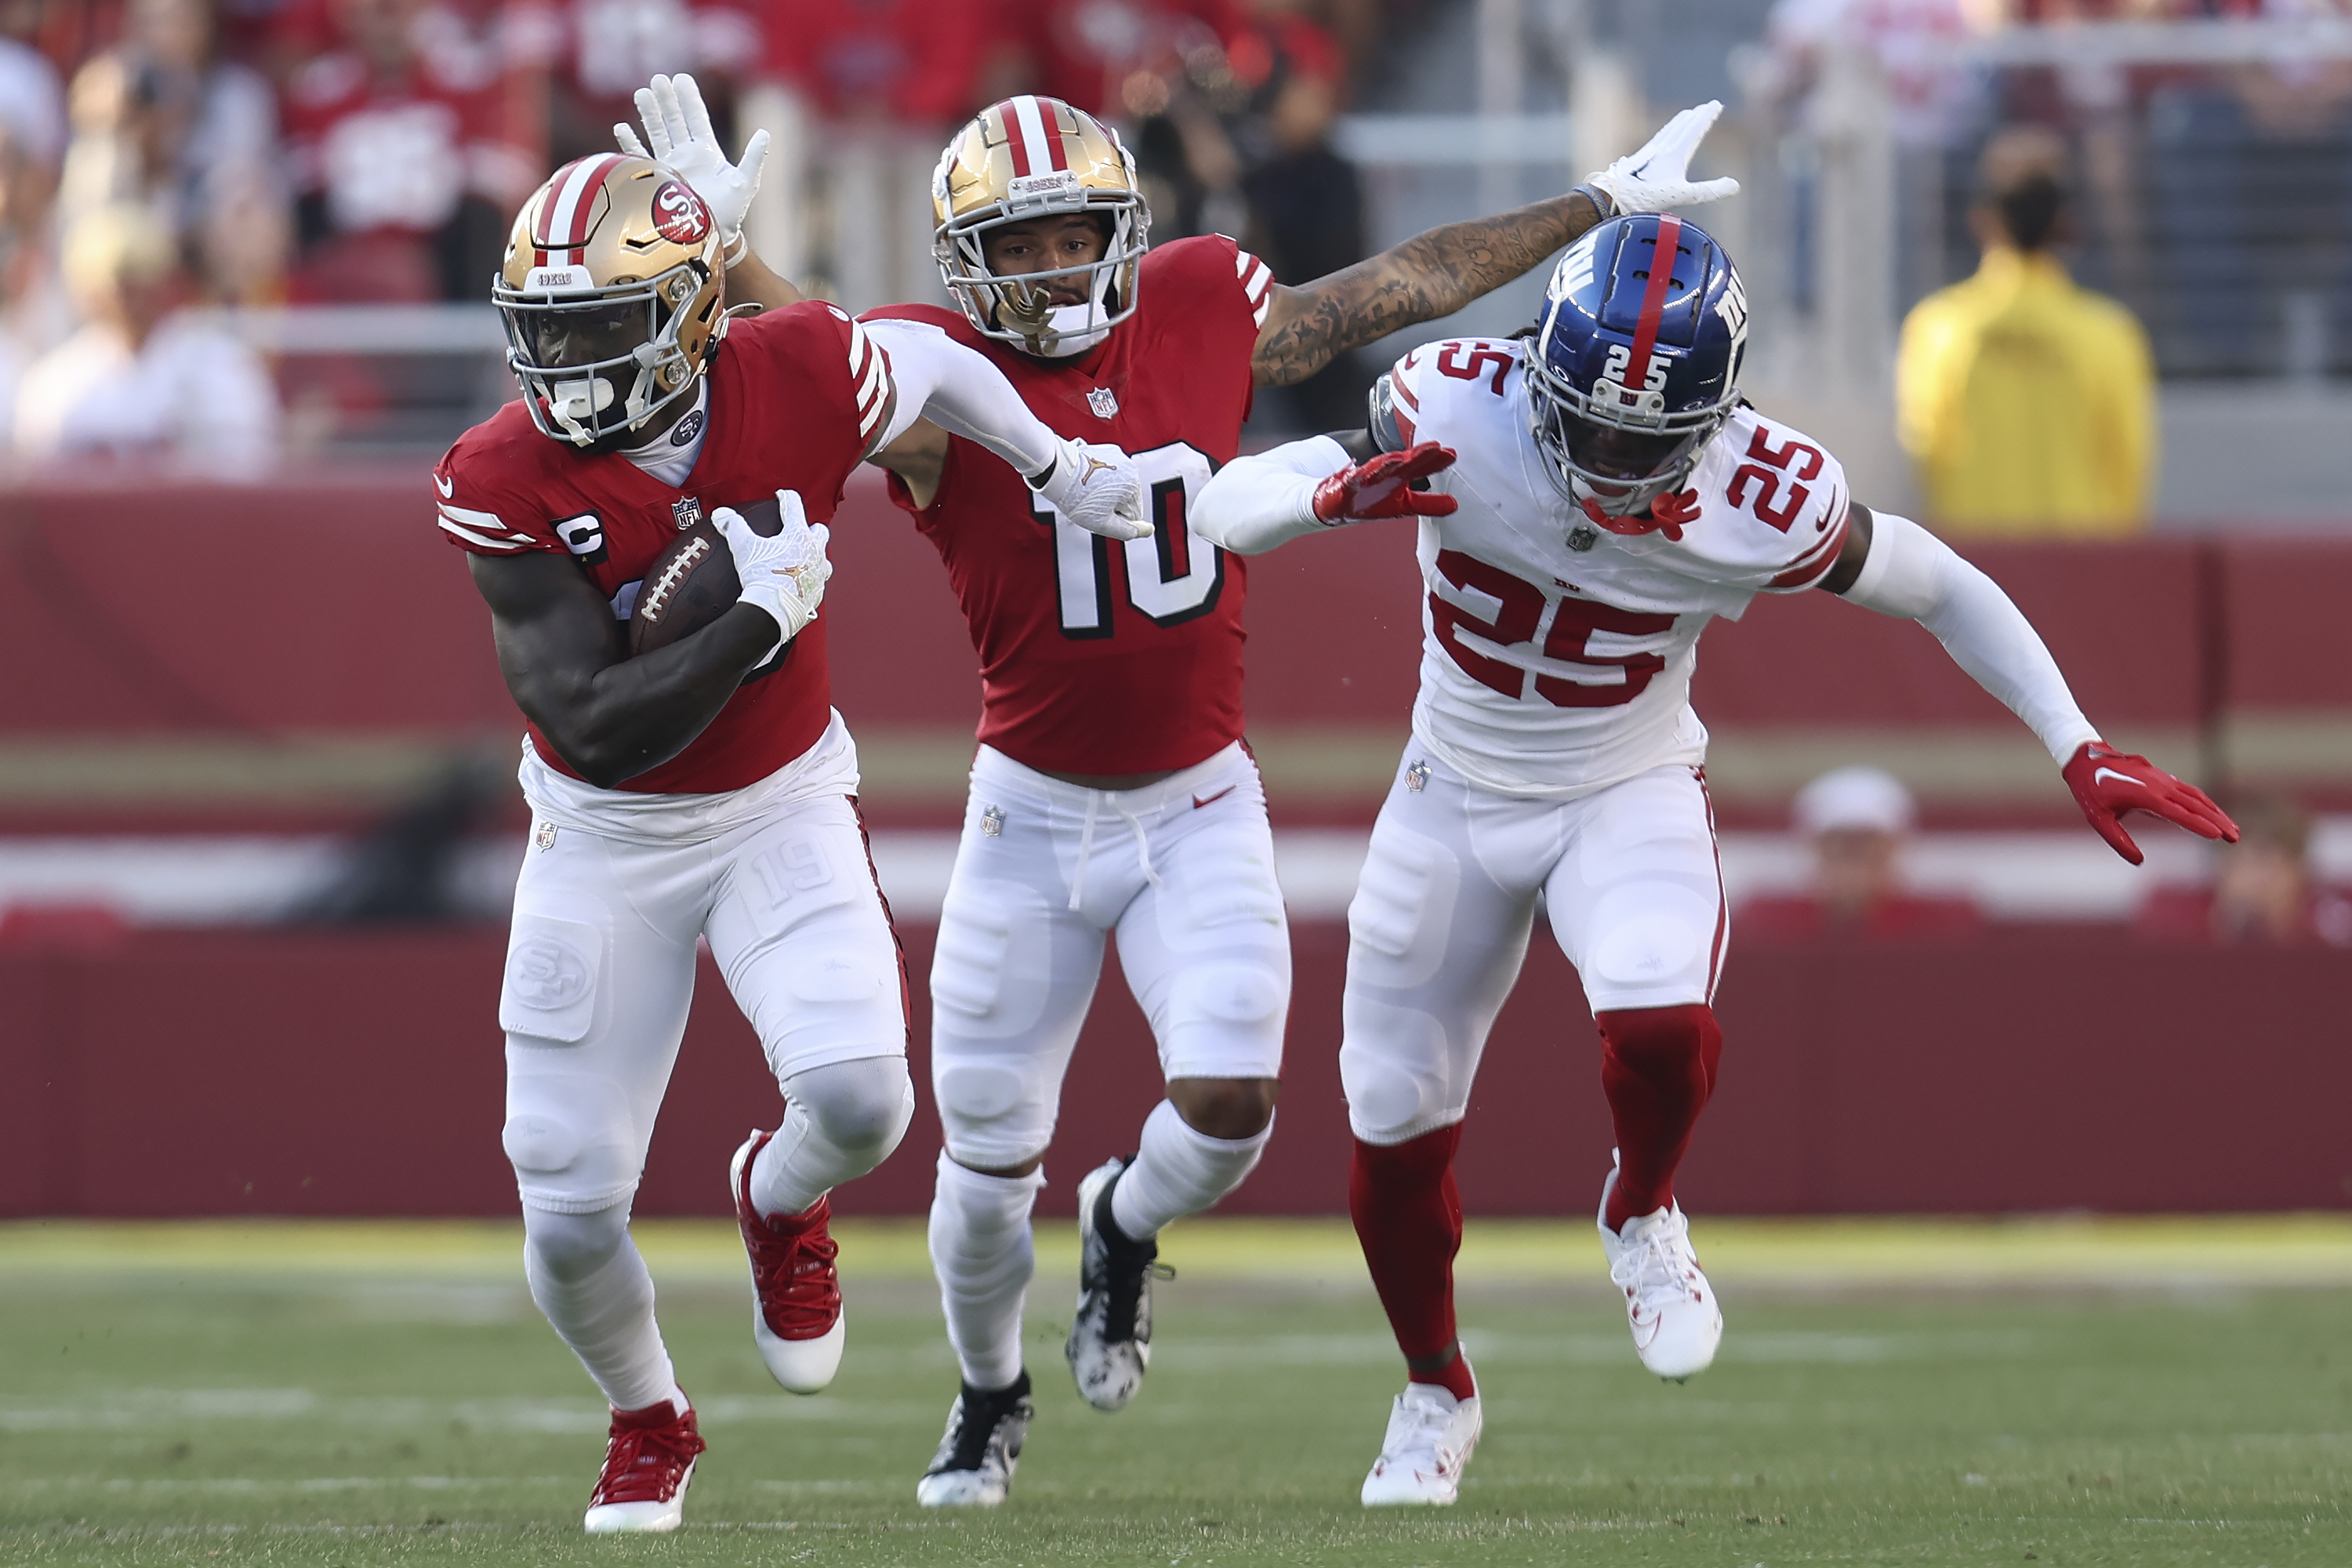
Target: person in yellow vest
(2028, 403)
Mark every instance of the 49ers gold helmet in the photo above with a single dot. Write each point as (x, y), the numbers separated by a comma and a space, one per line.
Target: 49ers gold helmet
(611, 294)
(1026, 158)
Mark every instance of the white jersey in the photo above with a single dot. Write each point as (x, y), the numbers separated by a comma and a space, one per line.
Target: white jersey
(1556, 655)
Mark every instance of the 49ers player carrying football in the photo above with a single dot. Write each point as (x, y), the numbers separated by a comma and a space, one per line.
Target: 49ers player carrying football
(1112, 792)
(704, 789)
(1590, 497)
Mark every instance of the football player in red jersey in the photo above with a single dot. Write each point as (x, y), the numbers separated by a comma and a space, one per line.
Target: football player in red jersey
(706, 788)
(1112, 792)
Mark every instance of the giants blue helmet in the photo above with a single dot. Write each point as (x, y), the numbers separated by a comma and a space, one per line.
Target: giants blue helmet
(1635, 362)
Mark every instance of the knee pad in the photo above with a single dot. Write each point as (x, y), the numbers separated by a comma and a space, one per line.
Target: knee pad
(572, 1142)
(995, 1112)
(1392, 1068)
(1225, 1020)
(859, 1106)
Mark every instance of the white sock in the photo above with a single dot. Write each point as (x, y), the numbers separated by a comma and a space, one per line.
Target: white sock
(840, 1121)
(587, 1277)
(1178, 1171)
(983, 1255)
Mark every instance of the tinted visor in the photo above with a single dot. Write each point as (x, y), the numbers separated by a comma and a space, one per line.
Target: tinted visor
(1604, 451)
(565, 337)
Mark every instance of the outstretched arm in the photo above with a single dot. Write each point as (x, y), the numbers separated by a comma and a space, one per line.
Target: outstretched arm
(1892, 566)
(1437, 273)
(1309, 487)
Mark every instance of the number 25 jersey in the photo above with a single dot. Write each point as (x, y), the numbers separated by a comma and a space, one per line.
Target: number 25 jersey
(1097, 657)
(1557, 654)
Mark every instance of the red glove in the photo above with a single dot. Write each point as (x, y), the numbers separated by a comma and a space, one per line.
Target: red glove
(2107, 783)
(1383, 487)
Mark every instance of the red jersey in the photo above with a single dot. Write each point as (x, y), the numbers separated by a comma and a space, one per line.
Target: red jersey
(1099, 657)
(792, 398)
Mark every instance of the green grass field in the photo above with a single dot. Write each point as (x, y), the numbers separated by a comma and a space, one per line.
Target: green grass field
(2129, 1392)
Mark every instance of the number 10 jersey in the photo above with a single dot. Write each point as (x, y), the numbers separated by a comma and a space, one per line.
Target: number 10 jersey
(1097, 657)
(1557, 654)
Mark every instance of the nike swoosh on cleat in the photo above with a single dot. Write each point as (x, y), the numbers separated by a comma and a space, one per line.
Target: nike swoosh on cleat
(1198, 803)
(447, 488)
(2111, 773)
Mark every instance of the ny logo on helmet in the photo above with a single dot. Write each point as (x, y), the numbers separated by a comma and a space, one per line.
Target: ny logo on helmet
(1733, 309)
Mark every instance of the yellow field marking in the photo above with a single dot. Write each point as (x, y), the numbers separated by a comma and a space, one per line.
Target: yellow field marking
(2266, 1250)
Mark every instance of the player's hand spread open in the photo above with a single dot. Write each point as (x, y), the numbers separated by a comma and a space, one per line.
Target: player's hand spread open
(1657, 177)
(1095, 486)
(785, 574)
(678, 133)
(1382, 487)
(2107, 783)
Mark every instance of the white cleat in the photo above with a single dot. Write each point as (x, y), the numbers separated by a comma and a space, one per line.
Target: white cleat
(973, 1468)
(1110, 1337)
(1430, 1437)
(1677, 1323)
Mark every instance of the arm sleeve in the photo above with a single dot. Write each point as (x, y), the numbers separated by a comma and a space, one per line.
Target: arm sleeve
(1911, 574)
(1259, 501)
(959, 391)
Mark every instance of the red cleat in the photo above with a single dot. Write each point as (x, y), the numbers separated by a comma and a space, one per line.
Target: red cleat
(795, 1290)
(648, 1462)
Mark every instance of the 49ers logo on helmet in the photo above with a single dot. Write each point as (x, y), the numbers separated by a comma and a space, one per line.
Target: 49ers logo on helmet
(680, 213)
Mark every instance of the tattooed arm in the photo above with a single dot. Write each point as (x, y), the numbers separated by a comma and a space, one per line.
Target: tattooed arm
(1437, 273)
(1431, 275)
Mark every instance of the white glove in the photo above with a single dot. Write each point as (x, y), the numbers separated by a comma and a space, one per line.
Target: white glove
(784, 576)
(1095, 486)
(1657, 177)
(677, 129)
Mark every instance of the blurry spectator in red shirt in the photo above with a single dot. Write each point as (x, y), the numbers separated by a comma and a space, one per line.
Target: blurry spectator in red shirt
(910, 62)
(143, 379)
(408, 162)
(2262, 894)
(599, 52)
(1856, 820)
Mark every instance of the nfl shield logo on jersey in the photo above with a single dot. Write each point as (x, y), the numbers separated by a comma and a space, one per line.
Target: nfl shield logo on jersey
(1104, 402)
(1583, 536)
(545, 836)
(688, 512)
(992, 823)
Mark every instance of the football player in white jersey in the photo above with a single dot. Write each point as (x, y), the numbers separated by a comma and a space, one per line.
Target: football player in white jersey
(1589, 497)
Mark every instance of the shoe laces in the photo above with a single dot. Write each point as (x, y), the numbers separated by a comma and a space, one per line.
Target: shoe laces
(1125, 1265)
(972, 1424)
(793, 1271)
(1423, 1430)
(1657, 1266)
(644, 1464)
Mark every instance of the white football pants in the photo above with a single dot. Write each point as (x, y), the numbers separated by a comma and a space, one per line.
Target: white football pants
(1182, 870)
(1440, 922)
(600, 966)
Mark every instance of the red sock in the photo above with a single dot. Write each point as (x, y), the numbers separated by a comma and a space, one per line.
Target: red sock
(1407, 1217)
(1657, 1066)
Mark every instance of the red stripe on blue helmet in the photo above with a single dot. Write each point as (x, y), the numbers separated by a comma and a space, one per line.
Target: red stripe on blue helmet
(1653, 303)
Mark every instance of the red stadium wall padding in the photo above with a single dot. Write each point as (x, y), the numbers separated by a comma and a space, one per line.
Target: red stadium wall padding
(225, 1073)
(338, 607)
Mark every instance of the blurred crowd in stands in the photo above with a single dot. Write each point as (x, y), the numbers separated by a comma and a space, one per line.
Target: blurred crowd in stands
(160, 153)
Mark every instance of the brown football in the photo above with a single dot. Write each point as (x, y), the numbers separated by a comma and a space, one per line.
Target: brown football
(692, 583)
